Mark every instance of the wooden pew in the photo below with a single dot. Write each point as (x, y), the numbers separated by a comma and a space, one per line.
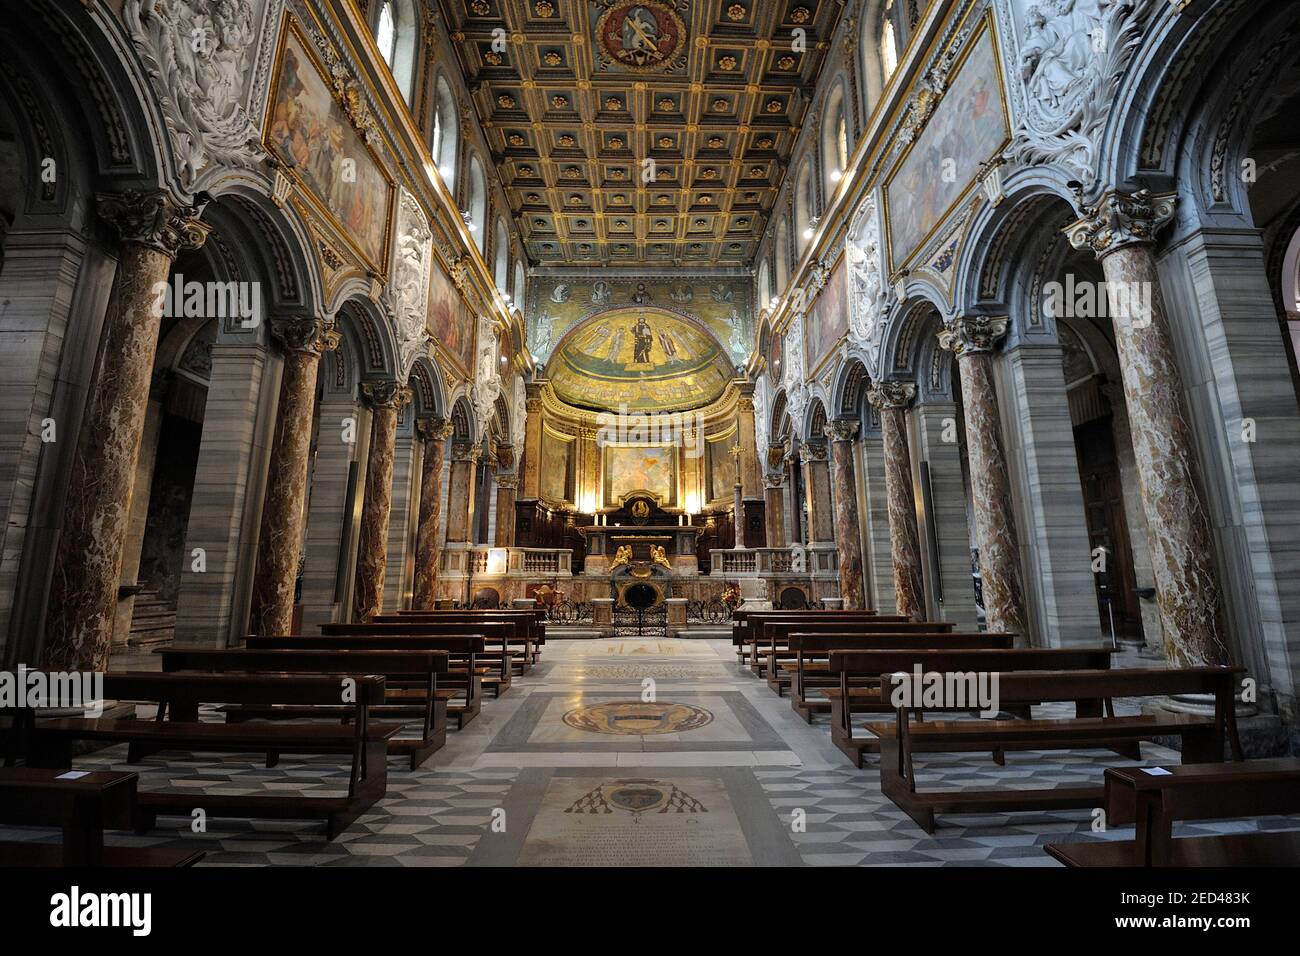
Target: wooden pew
(772, 645)
(532, 623)
(496, 663)
(1202, 791)
(82, 807)
(858, 675)
(517, 633)
(810, 670)
(1203, 737)
(362, 742)
(746, 626)
(412, 690)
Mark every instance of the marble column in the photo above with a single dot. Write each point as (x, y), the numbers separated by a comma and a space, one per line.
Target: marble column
(280, 539)
(848, 542)
(505, 531)
(435, 432)
(385, 398)
(892, 399)
(88, 562)
(1120, 230)
(532, 448)
(774, 506)
(460, 491)
(747, 463)
(972, 339)
(817, 491)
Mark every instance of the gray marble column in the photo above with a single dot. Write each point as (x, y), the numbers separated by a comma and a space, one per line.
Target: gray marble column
(435, 432)
(817, 493)
(972, 339)
(280, 541)
(892, 399)
(1120, 230)
(848, 543)
(876, 515)
(403, 515)
(332, 513)
(937, 445)
(88, 563)
(384, 399)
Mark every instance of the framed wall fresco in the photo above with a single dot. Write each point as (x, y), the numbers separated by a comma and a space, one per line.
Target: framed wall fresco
(451, 323)
(638, 467)
(309, 131)
(556, 471)
(722, 468)
(968, 127)
(828, 320)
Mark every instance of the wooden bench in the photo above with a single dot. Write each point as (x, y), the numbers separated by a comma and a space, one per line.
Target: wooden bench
(412, 690)
(772, 645)
(1202, 791)
(746, 626)
(1202, 737)
(363, 742)
(514, 635)
(82, 805)
(810, 669)
(496, 660)
(858, 673)
(529, 624)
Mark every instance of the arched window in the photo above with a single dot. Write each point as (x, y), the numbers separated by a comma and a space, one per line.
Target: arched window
(888, 40)
(803, 206)
(517, 290)
(446, 130)
(782, 256)
(477, 220)
(501, 250)
(764, 285)
(835, 141)
(395, 34)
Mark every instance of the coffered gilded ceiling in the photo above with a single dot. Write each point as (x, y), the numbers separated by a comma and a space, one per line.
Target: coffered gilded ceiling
(576, 96)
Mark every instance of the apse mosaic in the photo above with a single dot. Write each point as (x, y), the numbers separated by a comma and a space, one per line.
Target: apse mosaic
(641, 359)
(638, 719)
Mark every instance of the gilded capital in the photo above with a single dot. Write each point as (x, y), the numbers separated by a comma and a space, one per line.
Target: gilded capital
(809, 453)
(1121, 219)
(970, 334)
(466, 451)
(775, 482)
(305, 334)
(385, 394)
(508, 482)
(841, 430)
(891, 394)
(153, 219)
(433, 429)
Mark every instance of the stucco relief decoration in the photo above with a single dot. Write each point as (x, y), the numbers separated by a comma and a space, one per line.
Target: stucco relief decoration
(795, 390)
(1072, 56)
(868, 293)
(518, 414)
(407, 295)
(760, 412)
(199, 54)
(487, 377)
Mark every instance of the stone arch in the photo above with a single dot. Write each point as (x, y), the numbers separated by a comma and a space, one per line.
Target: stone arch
(907, 323)
(781, 429)
(373, 335)
(463, 426)
(430, 394)
(815, 419)
(849, 390)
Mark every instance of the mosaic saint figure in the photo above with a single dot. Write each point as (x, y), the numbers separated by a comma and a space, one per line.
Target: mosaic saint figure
(643, 340)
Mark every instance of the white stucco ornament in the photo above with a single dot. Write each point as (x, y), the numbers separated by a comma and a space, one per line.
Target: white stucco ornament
(866, 287)
(407, 294)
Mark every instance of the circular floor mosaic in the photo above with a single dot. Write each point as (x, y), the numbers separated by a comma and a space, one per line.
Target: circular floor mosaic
(637, 718)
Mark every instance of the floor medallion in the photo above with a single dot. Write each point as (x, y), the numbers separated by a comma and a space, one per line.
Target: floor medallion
(637, 719)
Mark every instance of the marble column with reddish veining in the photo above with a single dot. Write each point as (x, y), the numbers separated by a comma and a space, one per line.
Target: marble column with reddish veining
(817, 492)
(1120, 230)
(506, 487)
(972, 339)
(279, 542)
(747, 462)
(848, 538)
(774, 507)
(464, 455)
(385, 399)
(435, 432)
(892, 399)
(532, 462)
(96, 511)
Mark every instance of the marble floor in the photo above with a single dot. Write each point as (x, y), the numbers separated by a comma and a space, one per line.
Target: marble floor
(639, 753)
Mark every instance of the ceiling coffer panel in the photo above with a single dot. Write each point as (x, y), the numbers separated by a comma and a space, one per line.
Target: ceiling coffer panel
(607, 118)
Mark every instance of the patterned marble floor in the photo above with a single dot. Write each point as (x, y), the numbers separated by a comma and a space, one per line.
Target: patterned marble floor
(633, 752)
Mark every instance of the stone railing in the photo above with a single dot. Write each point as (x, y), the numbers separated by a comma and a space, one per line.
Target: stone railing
(772, 562)
(482, 561)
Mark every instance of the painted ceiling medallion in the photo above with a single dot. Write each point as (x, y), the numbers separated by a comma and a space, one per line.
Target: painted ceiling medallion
(644, 37)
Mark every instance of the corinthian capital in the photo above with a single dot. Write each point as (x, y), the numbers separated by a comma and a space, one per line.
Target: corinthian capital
(153, 219)
(891, 394)
(841, 430)
(304, 334)
(385, 394)
(969, 334)
(1121, 219)
(433, 429)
